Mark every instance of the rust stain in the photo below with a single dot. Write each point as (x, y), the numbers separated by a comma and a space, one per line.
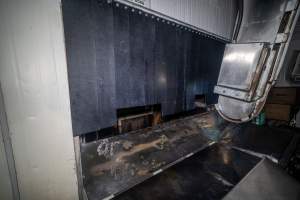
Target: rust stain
(102, 168)
(117, 160)
(140, 147)
(143, 172)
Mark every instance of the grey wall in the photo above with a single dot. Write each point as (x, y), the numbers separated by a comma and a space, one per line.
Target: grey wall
(33, 76)
(119, 59)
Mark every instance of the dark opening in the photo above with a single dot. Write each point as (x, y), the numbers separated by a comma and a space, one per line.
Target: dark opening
(200, 100)
(135, 118)
(284, 22)
(293, 72)
(100, 134)
(200, 103)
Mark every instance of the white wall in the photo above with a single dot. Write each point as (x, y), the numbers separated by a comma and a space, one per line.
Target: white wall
(33, 75)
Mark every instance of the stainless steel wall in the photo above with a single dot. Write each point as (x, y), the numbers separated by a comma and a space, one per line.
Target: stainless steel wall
(215, 16)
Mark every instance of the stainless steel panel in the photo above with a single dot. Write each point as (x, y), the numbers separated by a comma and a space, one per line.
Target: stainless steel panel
(261, 20)
(243, 69)
(233, 109)
(207, 15)
(291, 5)
(145, 3)
(266, 181)
(239, 94)
(203, 14)
(239, 65)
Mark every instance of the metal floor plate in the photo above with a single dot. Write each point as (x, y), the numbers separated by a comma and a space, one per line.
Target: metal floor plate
(269, 141)
(209, 174)
(111, 166)
(198, 157)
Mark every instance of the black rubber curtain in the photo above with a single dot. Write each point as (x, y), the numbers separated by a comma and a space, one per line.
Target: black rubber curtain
(119, 59)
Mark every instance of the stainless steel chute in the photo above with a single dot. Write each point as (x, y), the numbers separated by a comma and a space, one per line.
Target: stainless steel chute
(253, 61)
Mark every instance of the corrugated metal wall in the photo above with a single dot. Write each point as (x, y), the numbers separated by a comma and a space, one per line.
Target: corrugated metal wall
(214, 16)
(119, 59)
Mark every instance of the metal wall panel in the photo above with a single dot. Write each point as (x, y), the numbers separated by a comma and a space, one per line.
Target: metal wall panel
(239, 65)
(261, 21)
(136, 62)
(214, 16)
